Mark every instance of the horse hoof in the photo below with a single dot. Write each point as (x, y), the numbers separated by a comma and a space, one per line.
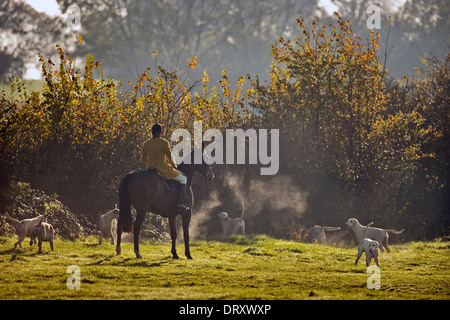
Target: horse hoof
(138, 256)
(176, 256)
(118, 251)
(189, 257)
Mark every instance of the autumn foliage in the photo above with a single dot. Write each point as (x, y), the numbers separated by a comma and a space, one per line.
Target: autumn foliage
(348, 130)
(361, 143)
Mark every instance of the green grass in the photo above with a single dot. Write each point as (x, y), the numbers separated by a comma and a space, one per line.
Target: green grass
(252, 267)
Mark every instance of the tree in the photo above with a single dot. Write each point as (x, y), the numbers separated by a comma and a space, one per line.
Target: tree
(24, 32)
(232, 34)
(83, 132)
(343, 137)
(419, 28)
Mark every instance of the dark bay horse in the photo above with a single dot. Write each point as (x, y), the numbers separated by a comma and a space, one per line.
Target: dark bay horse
(147, 191)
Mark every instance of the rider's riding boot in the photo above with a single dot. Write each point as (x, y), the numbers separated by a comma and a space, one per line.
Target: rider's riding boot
(181, 188)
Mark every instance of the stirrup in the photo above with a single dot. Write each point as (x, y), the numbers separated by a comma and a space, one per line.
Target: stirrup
(182, 207)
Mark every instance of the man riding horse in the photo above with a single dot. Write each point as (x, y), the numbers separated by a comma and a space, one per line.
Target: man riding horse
(147, 192)
(156, 154)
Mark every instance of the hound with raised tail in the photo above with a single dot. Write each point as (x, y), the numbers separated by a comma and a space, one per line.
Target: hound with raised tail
(23, 227)
(378, 234)
(232, 225)
(370, 247)
(43, 231)
(108, 225)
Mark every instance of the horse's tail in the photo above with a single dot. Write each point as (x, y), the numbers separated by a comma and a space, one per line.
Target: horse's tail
(125, 220)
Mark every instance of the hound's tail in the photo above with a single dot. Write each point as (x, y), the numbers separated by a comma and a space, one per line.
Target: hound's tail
(43, 217)
(394, 231)
(13, 221)
(243, 209)
(367, 229)
(125, 220)
(331, 228)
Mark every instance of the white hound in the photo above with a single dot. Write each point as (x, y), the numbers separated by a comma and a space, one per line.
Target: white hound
(43, 232)
(317, 234)
(370, 247)
(108, 225)
(232, 225)
(378, 234)
(23, 227)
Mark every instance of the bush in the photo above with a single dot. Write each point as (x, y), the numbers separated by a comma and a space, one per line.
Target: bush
(28, 202)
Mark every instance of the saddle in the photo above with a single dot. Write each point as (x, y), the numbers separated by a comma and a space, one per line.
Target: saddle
(169, 184)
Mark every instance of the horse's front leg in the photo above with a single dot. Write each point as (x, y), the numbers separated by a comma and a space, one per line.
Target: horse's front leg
(137, 228)
(119, 238)
(173, 235)
(186, 218)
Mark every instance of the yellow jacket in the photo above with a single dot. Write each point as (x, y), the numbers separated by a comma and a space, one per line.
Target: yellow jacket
(155, 154)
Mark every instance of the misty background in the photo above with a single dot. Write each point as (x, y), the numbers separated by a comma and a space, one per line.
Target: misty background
(127, 37)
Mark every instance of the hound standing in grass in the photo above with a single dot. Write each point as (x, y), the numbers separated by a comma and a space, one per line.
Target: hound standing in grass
(43, 232)
(23, 227)
(370, 247)
(232, 225)
(108, 225)
(380, 235)
(317, 234)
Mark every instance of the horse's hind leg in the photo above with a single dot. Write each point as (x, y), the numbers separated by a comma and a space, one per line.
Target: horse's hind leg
(186, 218)
(173, 235)
(137, 228)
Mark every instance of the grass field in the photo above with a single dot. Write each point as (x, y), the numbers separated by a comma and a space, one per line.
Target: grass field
(252, 267)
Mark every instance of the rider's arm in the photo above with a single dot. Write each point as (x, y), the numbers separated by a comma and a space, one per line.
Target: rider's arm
(144, 157)
(169, 156)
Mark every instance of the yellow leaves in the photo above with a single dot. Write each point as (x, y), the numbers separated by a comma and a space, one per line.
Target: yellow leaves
(205, 78)
(192, 63)
(79, 39)
(89, 110)
(424, 61)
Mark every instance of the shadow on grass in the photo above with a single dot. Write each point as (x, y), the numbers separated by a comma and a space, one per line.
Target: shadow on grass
(248, 239)
(130, 262)
(23, 253)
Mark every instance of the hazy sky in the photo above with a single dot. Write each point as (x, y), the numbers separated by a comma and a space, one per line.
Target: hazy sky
(52, 8)
(48, 6)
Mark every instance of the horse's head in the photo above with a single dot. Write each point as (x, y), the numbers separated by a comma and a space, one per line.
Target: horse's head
(203, 168)
(207, 172)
